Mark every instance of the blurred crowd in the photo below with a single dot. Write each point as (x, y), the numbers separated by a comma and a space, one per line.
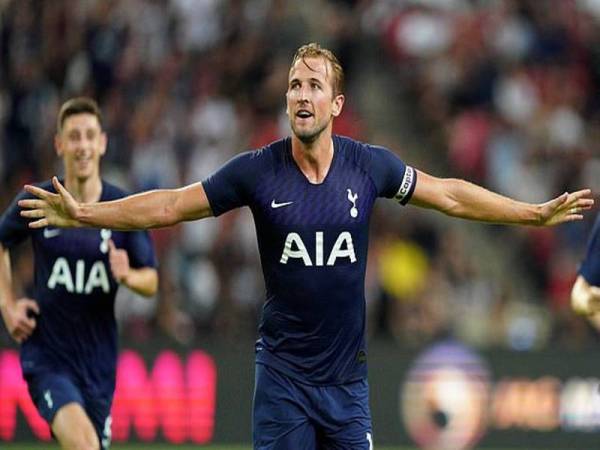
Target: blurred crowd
(503, 93)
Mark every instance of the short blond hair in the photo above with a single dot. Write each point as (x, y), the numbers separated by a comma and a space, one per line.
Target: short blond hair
(314, 50)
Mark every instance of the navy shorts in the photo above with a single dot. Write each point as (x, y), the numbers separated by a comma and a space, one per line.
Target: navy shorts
(51, 391)
(289, 415)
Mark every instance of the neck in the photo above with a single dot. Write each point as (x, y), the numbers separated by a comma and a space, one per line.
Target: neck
(314, 158)
(86, 190)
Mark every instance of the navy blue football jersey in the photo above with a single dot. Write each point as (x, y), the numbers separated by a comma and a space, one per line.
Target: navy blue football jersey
(313, 241)
(74, 287)
(590, 268)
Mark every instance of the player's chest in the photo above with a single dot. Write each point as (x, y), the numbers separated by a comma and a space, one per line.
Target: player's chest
(295, 202)
(81, 242)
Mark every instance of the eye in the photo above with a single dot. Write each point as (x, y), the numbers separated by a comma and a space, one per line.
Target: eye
(315, 85)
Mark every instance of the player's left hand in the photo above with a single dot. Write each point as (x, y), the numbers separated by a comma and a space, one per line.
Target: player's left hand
(119, 262)
(565, 208)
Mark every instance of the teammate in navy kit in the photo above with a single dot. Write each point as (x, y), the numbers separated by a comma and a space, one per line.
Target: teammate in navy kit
(311, 196)
(67, 331)
(585, 295)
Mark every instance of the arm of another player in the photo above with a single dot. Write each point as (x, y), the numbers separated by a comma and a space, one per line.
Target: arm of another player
(585, 298)
(14, 312)
(152, 209)
(459, 198)
(143, 280)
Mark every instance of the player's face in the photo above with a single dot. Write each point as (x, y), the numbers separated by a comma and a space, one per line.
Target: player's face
(311, 103)
(81, 143)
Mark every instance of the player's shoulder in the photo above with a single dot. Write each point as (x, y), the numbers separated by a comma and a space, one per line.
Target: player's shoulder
(357, 152)
(111, 191)
(274, 151)
(46, 185)
(268, 156)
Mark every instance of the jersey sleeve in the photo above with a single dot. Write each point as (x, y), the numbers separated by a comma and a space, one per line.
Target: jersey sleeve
(14, 229)
(140, 250)
(392, 178)
(590, 267)
(231, 185)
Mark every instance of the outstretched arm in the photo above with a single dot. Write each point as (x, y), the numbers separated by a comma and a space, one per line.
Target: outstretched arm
(459, 198)
(152, 209)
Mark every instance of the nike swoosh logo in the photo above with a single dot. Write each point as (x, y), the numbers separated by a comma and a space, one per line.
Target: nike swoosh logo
(50, 233)
(275, 205)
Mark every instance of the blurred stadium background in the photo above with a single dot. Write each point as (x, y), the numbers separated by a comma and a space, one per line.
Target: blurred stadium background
(472, 338)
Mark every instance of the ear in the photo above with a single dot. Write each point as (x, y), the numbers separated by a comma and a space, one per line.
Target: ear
(338, 104)
(58, 145)
(103, 143)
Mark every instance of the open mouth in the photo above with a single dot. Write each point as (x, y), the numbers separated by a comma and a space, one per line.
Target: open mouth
(303, 114)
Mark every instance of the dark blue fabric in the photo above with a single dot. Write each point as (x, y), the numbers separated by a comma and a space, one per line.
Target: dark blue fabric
(289, 415)
(50, 391)
(590, 268)
(313, 241)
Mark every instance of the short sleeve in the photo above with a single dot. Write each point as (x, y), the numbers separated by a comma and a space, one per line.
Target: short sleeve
(140, 250)
(14, 229)
(231, 185)
(590, 268)
(391, 176)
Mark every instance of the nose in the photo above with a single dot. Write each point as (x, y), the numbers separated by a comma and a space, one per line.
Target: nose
(83, 149)
(303, 93)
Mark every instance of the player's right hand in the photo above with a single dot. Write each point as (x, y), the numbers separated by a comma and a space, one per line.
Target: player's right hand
(588, 307)
(119, 262)
(585, 298)
(49, 209)
(20, 318)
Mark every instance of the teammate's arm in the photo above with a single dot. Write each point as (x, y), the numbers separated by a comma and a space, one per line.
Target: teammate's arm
(585, 298)
(459, 198)
(143, 280)
(14, 312)
(152, 209)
